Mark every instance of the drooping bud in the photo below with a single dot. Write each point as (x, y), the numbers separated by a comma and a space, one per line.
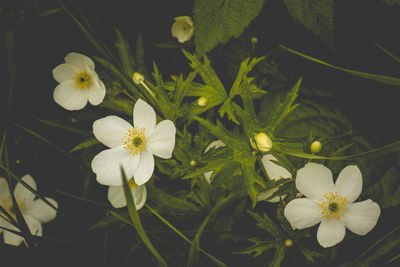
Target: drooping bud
(316, 147)
(202, 101)
(137, 78)
(261, 142)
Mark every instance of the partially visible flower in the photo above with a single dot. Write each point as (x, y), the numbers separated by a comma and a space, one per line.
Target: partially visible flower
(316, 147)
(214, 144)
(132, 147)
(261, 142)
(137, 78)
(331, 204)
(183, 28)
(117, 198)
(34, 211)
(275, 172)
(79, 83)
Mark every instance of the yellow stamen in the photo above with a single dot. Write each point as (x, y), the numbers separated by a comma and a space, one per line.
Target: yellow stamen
(83, 80)
(7, 204)
(333, 205)
(135, 140)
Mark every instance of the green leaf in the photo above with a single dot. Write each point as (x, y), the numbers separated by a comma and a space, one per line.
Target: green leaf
(375, 77)
(124, 52)
(118, 104)
(258, 248)
(134, 215)
(216, 21)
(85, 144)
(65, 127)
(387, 190)
(315, 15)
(279, 256)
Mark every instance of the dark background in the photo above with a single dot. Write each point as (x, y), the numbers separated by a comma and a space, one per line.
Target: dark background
(41, 43)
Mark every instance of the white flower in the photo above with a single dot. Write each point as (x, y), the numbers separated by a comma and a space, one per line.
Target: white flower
(275, 172)
(34, 211)
(214, 144)
(117, 198)
(132, 147)
(182, 29)
(331, 204)
(79, 83)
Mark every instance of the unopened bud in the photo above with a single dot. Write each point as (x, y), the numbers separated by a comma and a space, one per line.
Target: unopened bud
(254, 40)
(193, 163)
(202, 101)
(316, 147)
(288, 243)
(261, 142)
(137, 78)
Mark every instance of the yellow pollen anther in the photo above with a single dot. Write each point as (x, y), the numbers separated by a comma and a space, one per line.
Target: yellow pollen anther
(83, 80)
(135, 140)
(132, 183)
(7, 204)
(332, 205)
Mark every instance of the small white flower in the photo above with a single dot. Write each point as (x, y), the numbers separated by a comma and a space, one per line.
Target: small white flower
(275, 172)
(183, 28)
(79, 83)
(214, 144)
(132, 147)
(331, 204)
(117, 198)
(34, 211)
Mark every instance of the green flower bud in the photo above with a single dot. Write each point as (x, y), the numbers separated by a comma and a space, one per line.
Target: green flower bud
(316, 147)
(288, 243)
(202, 101)
(137, 78)
(193, 163)
(261, 142)
(254, 40)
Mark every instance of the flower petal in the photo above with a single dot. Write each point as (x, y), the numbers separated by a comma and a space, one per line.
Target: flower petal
(361, 217)
(144, 116)
(97, 92)
(21, 192)
(330, 232)
(11, 238)
(314, 180)
(214, 144)
(106, 165)
(35, 227)
(41, 211)
(110, 130)
(64, 72)
(267, 193)
(274, 171)
(349, 183)
(145, 169)
(4, 189)
(79, 61)
(69, 96)
(161, 141)
(117, 198)
(302, 213)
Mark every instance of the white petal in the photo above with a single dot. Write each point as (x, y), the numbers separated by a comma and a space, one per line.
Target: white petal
(145, 169)
(4, 189)
(361, 217)
(21, 192)
(41, 211)
(330, 232)
(97, 92)
(11, 238)
(302, 213)
(117, 198)
(79, 61)
(64, 72)
(111, 130)
(274, 171)
(207, 176)
(35, 227)
(349, 183)
(106, 165)
(144, 116)
(161, 141)
(214, 144)
(69, 96)
(314, 180)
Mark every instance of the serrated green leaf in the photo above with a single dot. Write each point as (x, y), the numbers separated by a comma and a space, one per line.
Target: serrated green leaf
(216, 21)
(315, 15)
(278, 256)
(258, 248)
(124, 52)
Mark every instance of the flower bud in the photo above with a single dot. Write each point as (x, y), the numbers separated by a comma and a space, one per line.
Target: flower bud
(137, 78)
(261, 142)
(202, 101)
(193, 163)
(316, 147)
(254, 40)
(288, 243)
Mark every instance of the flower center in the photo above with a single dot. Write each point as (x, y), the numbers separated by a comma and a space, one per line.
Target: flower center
(7, 204)
(83, 80)
(132, 183)
(333, 205)
(135, 140)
